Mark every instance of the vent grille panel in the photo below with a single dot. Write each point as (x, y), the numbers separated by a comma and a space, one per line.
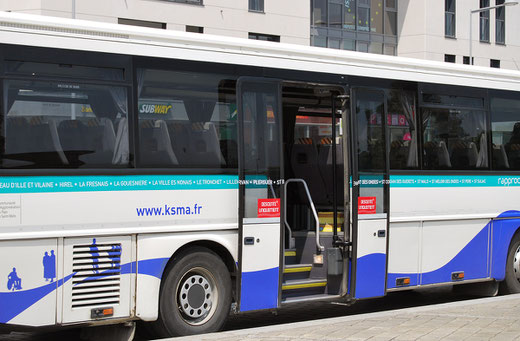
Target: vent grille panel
(97, 275)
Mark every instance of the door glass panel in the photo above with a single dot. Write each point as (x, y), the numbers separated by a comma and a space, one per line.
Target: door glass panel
(261, 143)
(371, 151)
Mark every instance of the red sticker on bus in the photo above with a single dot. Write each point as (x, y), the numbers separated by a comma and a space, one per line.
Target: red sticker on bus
(366, 205)
(268, 208)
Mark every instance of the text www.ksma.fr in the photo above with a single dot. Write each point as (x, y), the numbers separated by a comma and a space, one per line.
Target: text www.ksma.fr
(169, 210)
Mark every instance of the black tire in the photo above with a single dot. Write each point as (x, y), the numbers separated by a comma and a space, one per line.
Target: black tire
(511, 283)
(195, 295)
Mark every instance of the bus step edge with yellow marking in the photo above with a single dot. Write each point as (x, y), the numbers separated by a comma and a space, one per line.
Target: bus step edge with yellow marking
(304, 284)
(293, 268)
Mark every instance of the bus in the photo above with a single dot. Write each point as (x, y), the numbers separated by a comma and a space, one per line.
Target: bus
(173, 178)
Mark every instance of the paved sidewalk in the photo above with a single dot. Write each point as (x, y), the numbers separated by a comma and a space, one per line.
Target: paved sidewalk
(494, 318)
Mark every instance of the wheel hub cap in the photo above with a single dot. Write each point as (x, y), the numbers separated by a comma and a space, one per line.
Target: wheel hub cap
(516, 264)
(195, 296)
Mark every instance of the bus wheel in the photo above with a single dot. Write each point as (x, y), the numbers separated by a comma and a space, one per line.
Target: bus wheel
(196, 294)
(511, 283)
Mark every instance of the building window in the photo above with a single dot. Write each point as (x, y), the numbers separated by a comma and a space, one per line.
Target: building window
(349, 22)
(265, 37)
(494, 63)
(142, 23)
(449, 18)
(500, 23)
(319, 12)
(194, 29)
(484, 22)
(192, 2)
(449, 58)
(375, 17)
(465, 60)
(256, 5)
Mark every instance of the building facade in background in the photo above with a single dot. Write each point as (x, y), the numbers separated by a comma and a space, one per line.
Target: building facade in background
(440, 30)
(426, 29)
(357, 25)
(284, 21)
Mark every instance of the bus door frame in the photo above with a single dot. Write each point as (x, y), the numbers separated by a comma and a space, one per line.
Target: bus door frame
(368, 279)
(258, 288)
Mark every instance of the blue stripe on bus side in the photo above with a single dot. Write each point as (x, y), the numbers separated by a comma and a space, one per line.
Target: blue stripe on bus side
(471, 259)
(101, 183)
(370, 275)
(16, 302)
(259, 290)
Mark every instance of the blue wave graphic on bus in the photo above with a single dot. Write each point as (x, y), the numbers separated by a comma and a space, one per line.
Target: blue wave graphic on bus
(473, 258)
(16, 302)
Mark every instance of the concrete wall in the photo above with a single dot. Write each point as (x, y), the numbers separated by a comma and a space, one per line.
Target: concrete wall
(289, 19)
(422, 33)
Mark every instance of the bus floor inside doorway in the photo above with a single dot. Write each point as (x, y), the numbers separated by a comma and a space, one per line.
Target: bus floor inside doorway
(311, 273)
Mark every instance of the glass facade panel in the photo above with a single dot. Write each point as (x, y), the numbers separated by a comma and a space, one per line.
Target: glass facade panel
(334, 43)
(350, 15)
(319, 12)
(349, 44)
(391, 23)
(376, 48)
(376, 16)
(363, 19)
(335, 15)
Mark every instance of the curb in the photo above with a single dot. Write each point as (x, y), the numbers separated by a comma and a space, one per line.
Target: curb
(296, 325)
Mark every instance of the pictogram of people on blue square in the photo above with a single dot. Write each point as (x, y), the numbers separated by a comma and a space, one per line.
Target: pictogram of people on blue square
(95, 256)
(49, 266)
(13, 281)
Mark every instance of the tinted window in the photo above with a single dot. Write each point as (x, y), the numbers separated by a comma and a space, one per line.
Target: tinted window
(505, 132)
(402, 122)
(63, 70)
(186, 119)
(369, 115)
(454, 139)
(64, 125)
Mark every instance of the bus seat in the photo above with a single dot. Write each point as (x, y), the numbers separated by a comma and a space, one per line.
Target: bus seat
(121, 155)
(500, 157)
(155, 145)
(179, 133)
(444, 156)
(472, 154)
(45, 139)
(204, 146)
(17, 135)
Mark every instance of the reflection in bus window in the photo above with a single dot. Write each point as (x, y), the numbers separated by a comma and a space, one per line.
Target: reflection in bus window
(454, 139)
(505, 131)
(186, 119)
(402, 123)
(64, 125)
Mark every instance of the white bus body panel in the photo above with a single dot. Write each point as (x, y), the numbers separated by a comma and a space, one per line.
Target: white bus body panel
(154, 253)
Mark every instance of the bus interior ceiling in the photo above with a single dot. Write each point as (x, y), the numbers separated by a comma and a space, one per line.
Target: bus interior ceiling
(307, 127)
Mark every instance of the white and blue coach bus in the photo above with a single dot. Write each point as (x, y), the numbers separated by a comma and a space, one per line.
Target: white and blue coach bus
(171, 177)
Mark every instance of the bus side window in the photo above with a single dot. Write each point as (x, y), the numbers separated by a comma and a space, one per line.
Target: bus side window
(454, 132)
(505, 132)
(187, 117)
(402, 126)
(61, 125)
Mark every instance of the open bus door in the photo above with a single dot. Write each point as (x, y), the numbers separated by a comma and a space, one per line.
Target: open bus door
(370, 193)
(260, 193)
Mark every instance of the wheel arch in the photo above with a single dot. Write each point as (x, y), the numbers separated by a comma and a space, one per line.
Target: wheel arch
(504, 231)
(170, 248)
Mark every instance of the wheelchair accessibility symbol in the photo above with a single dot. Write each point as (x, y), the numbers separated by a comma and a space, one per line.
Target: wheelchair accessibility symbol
(13, 281)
